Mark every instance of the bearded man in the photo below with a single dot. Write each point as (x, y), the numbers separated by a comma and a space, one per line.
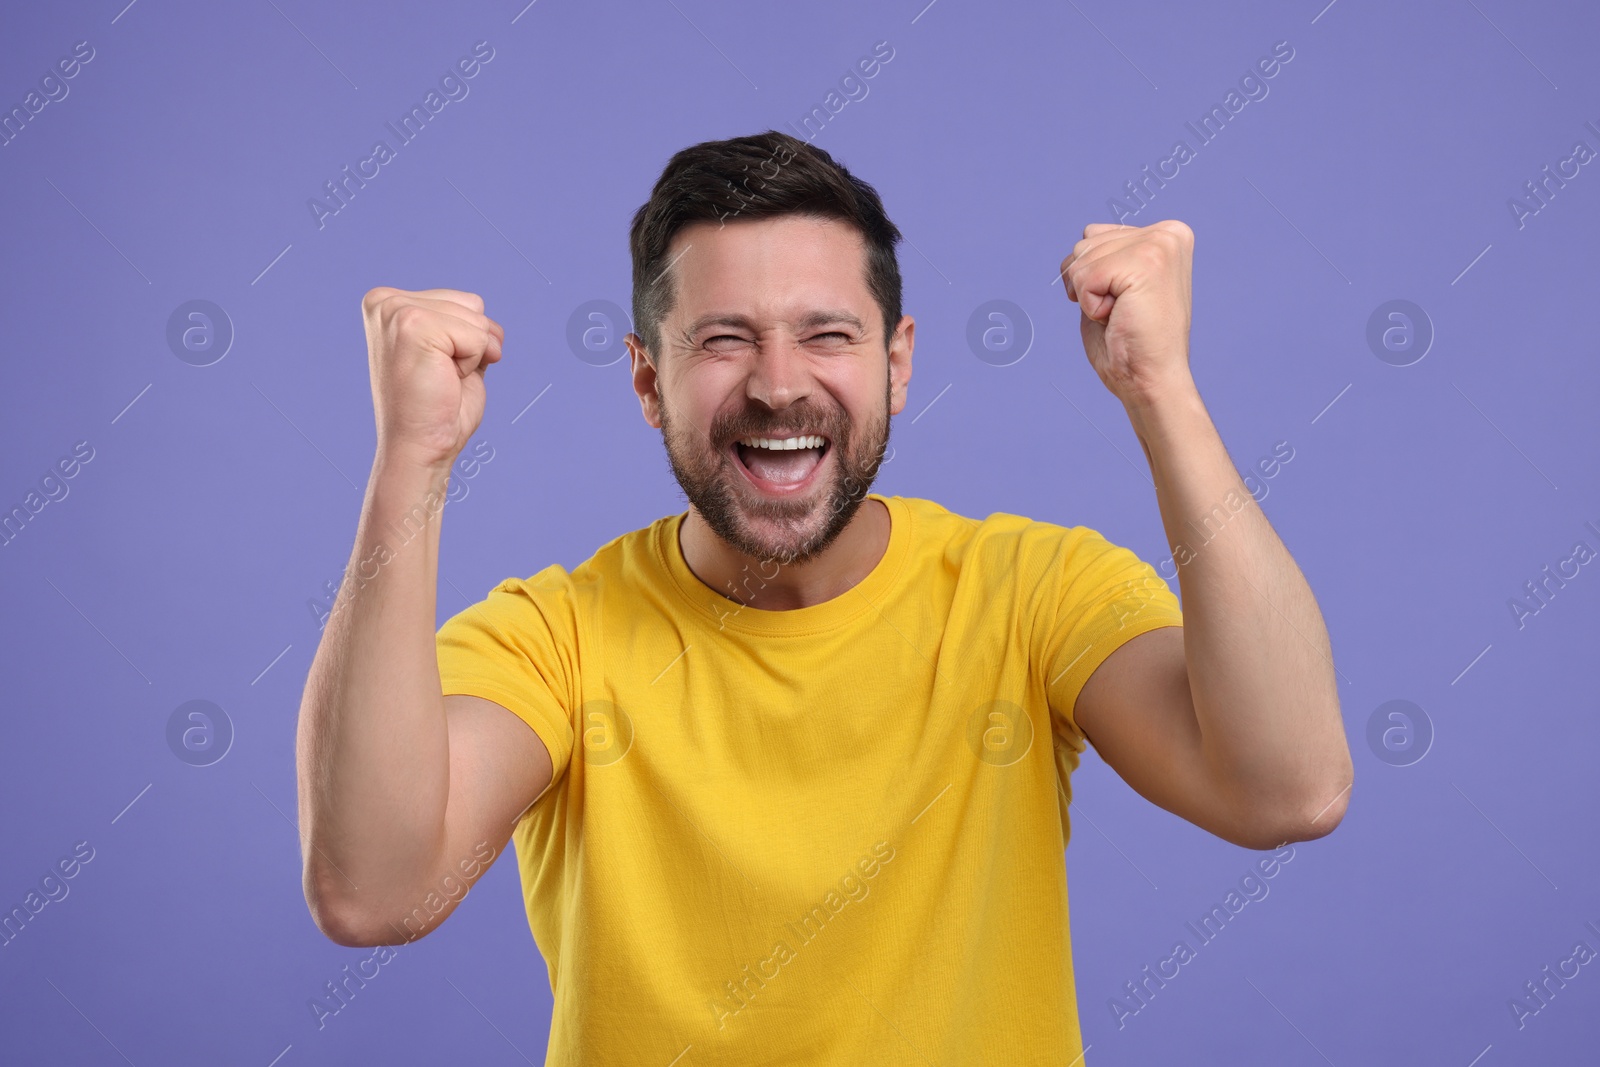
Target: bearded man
(788, 774)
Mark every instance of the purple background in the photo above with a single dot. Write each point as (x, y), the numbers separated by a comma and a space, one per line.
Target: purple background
(186, 558)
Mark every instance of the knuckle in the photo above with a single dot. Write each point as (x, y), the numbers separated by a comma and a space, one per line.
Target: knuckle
(1178, 230)
(1164, 244)
(409, 317)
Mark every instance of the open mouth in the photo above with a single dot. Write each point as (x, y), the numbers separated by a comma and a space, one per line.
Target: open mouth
(781, 465)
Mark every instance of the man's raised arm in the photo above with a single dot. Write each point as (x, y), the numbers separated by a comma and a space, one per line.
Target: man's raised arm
(1231, 721)
(405, 793)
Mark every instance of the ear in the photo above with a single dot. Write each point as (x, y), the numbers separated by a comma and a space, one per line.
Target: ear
(646, 383)
(900, 346)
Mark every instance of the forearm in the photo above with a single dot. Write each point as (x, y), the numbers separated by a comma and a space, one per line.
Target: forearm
(372, 748)
(1260, 666)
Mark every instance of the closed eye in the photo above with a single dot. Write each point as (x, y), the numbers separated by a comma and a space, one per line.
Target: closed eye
(724, 341)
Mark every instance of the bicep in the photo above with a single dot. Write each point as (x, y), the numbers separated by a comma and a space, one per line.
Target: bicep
(1137, 711)
(498, 768)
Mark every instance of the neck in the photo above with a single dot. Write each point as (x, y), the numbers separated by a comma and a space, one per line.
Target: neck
(766, 585)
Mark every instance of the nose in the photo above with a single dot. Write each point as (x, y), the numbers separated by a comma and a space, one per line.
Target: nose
(779, 375)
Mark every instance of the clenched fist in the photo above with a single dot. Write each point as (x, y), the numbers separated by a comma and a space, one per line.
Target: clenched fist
(427, 352)
(1133, 285)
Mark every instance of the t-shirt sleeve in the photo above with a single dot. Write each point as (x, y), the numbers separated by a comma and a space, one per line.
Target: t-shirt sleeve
(518, 648)
(1103, 596)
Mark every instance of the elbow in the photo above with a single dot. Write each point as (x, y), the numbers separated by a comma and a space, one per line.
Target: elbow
(344, 930)
(1330, 805)
(1310, 814)
(336, 916)
(1316, 814)
(1326, 804)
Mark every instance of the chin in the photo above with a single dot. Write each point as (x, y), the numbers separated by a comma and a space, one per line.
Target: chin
(789, 531)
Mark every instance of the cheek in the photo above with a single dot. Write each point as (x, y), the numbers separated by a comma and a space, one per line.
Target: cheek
(859, 391)
(710, 390)
(684, 405)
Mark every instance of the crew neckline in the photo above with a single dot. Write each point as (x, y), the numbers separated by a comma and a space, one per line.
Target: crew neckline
(719, 612)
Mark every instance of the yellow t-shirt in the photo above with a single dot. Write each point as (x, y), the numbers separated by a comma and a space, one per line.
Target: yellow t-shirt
(830, 835)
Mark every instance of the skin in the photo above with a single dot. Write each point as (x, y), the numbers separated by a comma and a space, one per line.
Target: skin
(773, 332)
(1230, 721)
(398, 786)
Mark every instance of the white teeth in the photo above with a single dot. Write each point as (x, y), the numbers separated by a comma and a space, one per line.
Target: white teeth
(811, 441)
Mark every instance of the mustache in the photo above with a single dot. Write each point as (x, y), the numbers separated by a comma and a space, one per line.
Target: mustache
(833, 428)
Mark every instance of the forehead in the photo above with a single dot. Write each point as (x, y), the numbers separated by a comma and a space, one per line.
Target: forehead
(769, 268)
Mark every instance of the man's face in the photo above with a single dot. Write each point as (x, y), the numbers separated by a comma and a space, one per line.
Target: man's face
(773, 335)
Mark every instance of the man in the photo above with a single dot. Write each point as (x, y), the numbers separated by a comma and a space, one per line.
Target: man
(788, 773)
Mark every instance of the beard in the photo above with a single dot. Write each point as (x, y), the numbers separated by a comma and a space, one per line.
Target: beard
(785, 531)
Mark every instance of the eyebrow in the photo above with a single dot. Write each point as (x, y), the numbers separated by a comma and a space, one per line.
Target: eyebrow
(824, 317)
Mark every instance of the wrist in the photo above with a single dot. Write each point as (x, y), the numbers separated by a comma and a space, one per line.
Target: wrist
(1164, 410)
(410, 464)
(403, 479)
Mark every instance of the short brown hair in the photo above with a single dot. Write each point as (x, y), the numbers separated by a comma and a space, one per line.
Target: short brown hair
(762, 176)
